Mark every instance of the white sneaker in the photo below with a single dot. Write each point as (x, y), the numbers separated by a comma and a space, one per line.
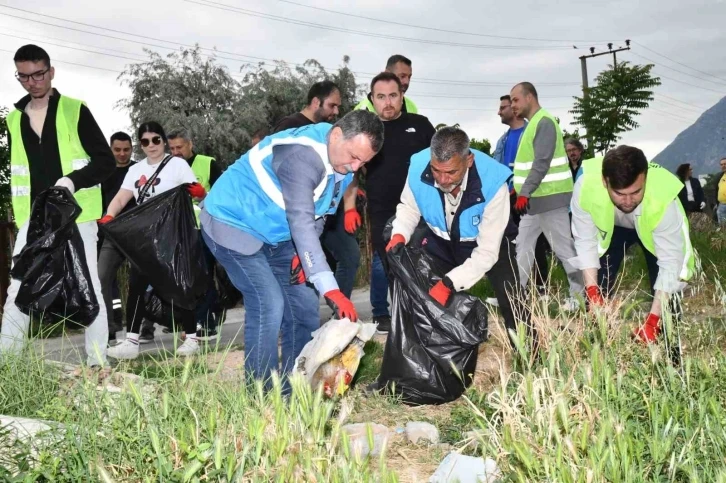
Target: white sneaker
(492, 301)
(124, 350)
(188, 348)
(570, 304)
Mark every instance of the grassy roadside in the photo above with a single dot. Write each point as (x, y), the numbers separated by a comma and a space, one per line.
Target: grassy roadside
(596, 407)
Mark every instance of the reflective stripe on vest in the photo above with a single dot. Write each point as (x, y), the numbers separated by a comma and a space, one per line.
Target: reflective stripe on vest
(201, 168)
(248, 195)
(558, 178)
(72, 158)
(661, 188)
(492, 175)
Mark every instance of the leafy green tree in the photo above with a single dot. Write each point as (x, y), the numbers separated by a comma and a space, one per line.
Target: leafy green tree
(482, 145)
(611, 107)
(186, 90)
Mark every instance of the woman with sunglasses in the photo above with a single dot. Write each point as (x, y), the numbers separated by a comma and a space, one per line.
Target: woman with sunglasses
(155, 174)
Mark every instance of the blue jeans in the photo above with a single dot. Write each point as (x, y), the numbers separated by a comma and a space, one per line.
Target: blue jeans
(345, 250)
(379, 288)
(721, 214)
(271, 305)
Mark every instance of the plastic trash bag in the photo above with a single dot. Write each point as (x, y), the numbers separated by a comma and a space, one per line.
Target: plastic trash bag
(331, 358)
(52, 267)
(229, 296)
(159, 237)
(431, 351)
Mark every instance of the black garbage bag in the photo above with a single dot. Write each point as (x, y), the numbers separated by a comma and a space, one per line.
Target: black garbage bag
(159, 237)
(52, 267)
(154, 307)
(229, 296)
(431, 351)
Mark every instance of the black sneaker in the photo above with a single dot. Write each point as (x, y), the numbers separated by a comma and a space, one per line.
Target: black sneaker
(147, 334)
(384, 324)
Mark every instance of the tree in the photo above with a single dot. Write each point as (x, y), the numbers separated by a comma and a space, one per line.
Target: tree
(612, 105)
(4, 166)
(184, 90)
(282, 91)
(482, 145)
(190, 90)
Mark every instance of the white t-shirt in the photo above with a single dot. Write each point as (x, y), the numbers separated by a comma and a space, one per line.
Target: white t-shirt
(175, 173)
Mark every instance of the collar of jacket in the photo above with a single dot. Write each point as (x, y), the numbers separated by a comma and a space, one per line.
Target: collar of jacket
(472, 194)
(52, 101)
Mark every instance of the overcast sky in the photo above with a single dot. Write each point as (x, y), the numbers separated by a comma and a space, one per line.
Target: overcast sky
(458, 77)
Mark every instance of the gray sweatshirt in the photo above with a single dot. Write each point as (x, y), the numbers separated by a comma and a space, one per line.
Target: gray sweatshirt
(545, 140)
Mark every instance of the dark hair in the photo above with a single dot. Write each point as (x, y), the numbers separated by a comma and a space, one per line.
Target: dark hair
(395, 59)
(321, 90)
(120, 136)
(448, 142)
(154, 127)
(261, 133)
(31, 53)
(575, 142)
(682, 171)
(386, 76)
(362, 122)
(506, 97)
(622, 166)
(528, 88)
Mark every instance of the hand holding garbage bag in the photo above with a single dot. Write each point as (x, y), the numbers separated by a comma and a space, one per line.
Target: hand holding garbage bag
(159, 237)
(52, 267)
(432, 348)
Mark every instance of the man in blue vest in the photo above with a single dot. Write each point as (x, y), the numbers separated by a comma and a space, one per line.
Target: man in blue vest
(463, 197)
(262, 221)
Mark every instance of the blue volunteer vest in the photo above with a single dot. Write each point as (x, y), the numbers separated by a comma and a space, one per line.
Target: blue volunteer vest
(486, 177)
(248, 195)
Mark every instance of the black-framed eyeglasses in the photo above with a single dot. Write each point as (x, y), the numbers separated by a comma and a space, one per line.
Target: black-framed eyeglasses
(36, 76)
(156, 140)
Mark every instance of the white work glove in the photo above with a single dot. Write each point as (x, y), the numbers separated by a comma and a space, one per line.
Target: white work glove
(703, 204)
(66, 183)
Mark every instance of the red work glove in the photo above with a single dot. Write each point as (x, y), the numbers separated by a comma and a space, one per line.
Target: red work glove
(105, 219)
(522, 205)
(196, 190)
(297, 274)
(441, 291)
(341, 305)
(594, 296)
(649, 331)
(352, 220)
(396, 240)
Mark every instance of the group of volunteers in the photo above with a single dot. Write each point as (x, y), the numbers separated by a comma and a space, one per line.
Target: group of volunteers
(278, 214)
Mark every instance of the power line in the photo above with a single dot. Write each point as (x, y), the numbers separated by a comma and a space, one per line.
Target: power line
(74, 48)
(676, 70)
(278, 18)
(675, 116)
(683, 102)
(217, 52)
(680, 63)
(434, 29)
(691, 109)
(688, 84)
(73, 63)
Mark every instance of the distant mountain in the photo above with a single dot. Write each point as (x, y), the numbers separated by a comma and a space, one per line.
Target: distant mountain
(703, 144)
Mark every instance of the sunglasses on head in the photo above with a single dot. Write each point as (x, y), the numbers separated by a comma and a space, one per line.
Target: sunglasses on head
(156, 140)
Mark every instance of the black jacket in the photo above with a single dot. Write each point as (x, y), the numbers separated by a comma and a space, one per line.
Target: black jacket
(698, 196)
(44, 155)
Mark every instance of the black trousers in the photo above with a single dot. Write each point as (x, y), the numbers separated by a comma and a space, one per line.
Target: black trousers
(504, 277)
(136, 307)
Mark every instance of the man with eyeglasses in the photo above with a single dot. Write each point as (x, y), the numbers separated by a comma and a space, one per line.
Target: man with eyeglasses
(55, 141)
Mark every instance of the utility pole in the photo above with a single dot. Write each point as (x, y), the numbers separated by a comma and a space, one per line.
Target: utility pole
(583, 66)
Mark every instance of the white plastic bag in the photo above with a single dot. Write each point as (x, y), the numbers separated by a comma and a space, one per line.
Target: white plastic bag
(331, 358)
